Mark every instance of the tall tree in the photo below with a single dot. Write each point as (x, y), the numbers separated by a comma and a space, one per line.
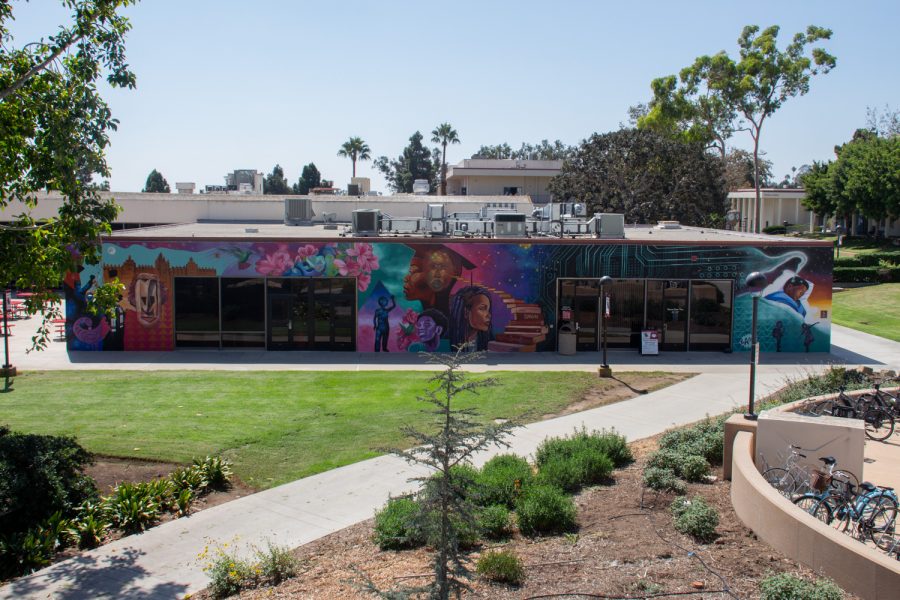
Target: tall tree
(444, 134)
(309, 178)
(884, 123)
(156, 183)
(645, 176)
(740, 172)
(275, 182)
(765, 77)
(545, 150)
(355, 149)
(54, 129)
(415, 162)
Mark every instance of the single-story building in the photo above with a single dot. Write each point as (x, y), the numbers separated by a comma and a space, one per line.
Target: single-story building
(280, 287)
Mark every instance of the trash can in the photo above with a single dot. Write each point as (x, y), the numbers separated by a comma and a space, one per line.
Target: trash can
(567, 339)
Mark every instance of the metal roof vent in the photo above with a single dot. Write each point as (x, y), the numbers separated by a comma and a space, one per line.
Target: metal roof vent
(298, 211)
(668, 225)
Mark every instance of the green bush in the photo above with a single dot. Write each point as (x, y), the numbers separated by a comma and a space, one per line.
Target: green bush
(848, 261)
(396, 525)
(875, 259)
(228, 575)
(693, 468)
(501, 479)
(183, 502)
(578, 460)
(132, 507)
(775, 230)
(545, 509)
(188, 478)
(25, 552)
(501, 566)
(40, 475)
(91, 524)
(695, 518)
(705, 439)
(494, 521)
(614, 445)
(785, 586)
(276, 564)
(664, 480)
(857, 275)
(216, 471)
(600, 442)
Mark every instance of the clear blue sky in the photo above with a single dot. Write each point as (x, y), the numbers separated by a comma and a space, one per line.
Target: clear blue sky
(224, 85)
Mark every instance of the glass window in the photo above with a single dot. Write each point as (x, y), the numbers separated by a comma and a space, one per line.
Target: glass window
(243, 311)
(196, 311)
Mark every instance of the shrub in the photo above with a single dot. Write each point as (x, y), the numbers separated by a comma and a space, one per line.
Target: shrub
(160, 490)
(695, 518)
(493, 522)
(396, 525)
(25, 552)
(40, 475)
(228, 575)
(693, 468)
(132, 507)
(856, 274)
(215, 470)
(578, 460)
(188, 478)
(664, 480)
(785, 586)
(545, 509)
(501, 567)
(501, 479)
(615, 446)
(276, 564)
(705, 439)
(91, 525)
(775, 230)
(183, 502)
(608, 443)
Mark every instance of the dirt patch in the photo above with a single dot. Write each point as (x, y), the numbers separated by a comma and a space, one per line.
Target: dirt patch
(626, 545)
(625, 387)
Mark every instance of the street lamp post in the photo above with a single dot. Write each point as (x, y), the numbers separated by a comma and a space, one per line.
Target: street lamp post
(605, 371)
(7, 368)
(755, 282)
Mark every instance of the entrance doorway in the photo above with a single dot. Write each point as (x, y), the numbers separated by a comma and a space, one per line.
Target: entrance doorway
(311, 314)
(667, 312)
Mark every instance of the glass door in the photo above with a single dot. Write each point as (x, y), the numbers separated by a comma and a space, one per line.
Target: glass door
(579, 300)
(667, 312)
(312, 314)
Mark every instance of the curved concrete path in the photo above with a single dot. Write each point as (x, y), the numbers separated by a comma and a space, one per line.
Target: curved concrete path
(164, 562)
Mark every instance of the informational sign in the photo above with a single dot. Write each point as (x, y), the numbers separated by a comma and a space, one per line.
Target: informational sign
(566, 313)
(650, 342)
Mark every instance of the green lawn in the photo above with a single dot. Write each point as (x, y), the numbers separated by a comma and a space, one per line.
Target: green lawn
(275, 426)
(873, 309)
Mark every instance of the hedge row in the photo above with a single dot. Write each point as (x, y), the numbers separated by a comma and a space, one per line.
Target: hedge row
(868, 260)
(866, 274)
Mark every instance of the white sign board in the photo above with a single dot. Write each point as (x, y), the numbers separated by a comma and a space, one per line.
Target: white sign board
(649, 342)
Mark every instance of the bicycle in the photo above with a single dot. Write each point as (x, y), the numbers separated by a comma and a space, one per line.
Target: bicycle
(879, 423)
(872, 509)
(793, 479)
(884, 400)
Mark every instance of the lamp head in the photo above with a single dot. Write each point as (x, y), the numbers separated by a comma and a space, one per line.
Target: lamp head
(605, 280)
(755, 281)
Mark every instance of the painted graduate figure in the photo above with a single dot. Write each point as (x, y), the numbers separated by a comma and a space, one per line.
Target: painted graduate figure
(470, 319)
(792, 291)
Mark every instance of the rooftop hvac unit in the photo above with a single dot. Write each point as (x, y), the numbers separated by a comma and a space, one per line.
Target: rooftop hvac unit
(366, 222)
(509, 225)
(298, 211)
(421, 187)
(434, 211)
(612, 225)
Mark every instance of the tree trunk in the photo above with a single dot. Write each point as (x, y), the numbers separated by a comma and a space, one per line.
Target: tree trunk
(444, 170)
(756, 227)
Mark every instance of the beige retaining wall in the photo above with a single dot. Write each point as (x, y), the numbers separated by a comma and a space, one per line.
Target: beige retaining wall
(857, 568)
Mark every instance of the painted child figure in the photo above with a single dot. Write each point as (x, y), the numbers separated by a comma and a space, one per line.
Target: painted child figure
(381, 323)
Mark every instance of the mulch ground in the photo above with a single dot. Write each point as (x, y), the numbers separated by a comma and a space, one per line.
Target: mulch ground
(626, 546)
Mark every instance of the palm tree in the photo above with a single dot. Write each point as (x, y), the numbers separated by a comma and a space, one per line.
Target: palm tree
(444, 134)
(355, 149)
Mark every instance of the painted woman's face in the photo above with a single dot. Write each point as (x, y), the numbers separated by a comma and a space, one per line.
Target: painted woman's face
(427, 329)
(480, 313)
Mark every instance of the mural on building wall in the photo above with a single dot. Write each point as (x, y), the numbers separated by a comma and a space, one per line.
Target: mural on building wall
(433, 296)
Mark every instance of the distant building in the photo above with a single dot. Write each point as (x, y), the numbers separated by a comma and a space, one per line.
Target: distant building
(503, 177)
(777, 207)
(240, 181)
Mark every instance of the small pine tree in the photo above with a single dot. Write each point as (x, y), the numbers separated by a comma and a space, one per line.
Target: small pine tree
(156, 183)
(444, 503)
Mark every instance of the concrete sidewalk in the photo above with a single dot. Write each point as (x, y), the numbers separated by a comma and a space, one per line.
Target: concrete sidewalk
(164, 563)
